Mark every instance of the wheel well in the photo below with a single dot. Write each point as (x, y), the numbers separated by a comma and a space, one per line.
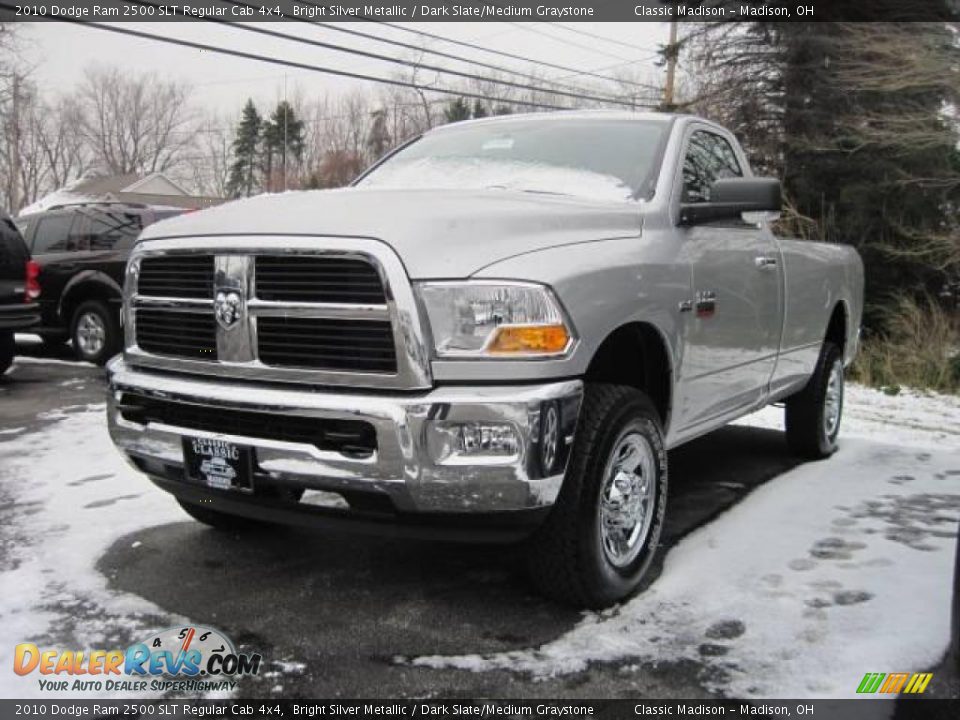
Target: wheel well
(837, 328)
(82, 292)
(636, 355)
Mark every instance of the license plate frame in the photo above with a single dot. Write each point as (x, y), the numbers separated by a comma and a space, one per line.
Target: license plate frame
(218, 464)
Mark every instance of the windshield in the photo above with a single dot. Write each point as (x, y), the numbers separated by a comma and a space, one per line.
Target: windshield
(598, 158)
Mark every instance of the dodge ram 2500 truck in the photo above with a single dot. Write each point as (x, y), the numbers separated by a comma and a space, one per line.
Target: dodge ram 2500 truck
(497, 332)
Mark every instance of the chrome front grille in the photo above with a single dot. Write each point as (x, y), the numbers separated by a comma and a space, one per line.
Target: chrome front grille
(317, 279)
(275, 309)
(327, 344)
(187, 276)
(176, 333)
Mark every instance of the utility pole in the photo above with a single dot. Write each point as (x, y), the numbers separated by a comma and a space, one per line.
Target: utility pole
(671, 52)
(285, 107)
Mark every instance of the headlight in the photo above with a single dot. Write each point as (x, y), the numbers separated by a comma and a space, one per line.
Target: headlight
(495, 319)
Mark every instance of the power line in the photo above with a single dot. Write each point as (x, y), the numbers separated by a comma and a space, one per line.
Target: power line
(502, 53)
(614, 67)
(587, 33)
(416, 48)
(536, 31)
(301, 66)
(390, 59)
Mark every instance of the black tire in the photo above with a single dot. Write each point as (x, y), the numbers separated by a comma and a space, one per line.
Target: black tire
(808, 432)
(567, 559)
(8, 347)
(98, 312)
(217, 519)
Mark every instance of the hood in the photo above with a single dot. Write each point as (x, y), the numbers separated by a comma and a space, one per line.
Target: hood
(436, 233)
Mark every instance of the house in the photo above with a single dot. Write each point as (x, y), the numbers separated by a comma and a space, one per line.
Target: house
(153, 189)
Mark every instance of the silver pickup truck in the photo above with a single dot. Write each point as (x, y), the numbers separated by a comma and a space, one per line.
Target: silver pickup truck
(496, 333)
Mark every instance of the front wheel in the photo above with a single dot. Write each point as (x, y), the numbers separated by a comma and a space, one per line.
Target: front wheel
(813, 414)
(603, 532)
(95, 332)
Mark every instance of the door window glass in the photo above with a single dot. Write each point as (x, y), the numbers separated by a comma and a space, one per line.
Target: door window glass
(105, 228)
(709, 158)
(52, 234)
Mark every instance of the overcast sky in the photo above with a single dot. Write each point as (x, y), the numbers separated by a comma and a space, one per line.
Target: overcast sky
(60, 51)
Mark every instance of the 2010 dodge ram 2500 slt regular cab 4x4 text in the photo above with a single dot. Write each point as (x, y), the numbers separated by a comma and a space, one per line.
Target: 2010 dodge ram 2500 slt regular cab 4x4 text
(496, 332)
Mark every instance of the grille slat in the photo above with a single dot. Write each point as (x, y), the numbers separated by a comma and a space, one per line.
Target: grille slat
(313, 352)
(318, 279)
(188, 276)
(177, 333)
(354, 438)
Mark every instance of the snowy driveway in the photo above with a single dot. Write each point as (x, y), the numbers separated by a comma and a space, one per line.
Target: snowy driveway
(779, 580)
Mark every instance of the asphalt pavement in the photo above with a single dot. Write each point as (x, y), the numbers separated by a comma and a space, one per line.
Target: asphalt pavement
(352, 609)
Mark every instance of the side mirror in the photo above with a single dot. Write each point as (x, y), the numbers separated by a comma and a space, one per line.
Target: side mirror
(730, 197)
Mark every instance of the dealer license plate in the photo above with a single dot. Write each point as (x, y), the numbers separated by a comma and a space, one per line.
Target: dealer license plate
(218, 464)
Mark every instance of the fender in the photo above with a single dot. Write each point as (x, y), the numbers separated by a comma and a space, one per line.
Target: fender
(95, 277)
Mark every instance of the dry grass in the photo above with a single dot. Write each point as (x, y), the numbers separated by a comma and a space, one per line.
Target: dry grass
(920, 348)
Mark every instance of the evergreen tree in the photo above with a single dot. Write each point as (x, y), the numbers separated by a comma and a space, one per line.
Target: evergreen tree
(378, 140)
(479, 109)
(456, 110)
(283, 141)
(852, 117)
(246, 149)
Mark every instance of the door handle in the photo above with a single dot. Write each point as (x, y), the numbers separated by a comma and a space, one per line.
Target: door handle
(765, 261)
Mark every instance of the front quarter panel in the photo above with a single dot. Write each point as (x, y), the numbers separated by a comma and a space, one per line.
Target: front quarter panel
(602, 286)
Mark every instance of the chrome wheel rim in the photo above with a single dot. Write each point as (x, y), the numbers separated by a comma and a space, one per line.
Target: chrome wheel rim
(91, 334)
(833, 401)
(627, 498)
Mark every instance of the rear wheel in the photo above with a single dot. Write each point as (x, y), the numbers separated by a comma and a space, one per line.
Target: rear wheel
(95, 332)
(7, 350)
(603, 532)
(813, 414)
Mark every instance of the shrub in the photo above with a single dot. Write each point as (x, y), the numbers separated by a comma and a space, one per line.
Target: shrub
(919, 347)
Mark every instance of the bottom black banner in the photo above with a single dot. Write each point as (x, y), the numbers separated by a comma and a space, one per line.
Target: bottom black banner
(854, 709)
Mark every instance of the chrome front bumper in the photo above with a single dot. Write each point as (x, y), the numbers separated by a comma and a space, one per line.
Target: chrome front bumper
(412, 466)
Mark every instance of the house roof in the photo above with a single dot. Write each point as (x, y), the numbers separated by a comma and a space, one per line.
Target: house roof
(104, 184)
(154, 179)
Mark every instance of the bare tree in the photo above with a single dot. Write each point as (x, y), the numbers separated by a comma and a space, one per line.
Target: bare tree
(135, 124)
(213, 155)
(65, 155)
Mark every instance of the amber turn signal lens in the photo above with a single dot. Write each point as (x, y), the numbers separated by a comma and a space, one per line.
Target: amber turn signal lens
(541, 339)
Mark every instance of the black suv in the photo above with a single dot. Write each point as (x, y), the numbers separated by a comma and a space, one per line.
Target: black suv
(18, 289)
(82, 252)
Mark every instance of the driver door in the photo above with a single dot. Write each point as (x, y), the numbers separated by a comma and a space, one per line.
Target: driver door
(732, 327)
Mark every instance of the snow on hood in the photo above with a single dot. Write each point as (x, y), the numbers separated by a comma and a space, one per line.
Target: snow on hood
(478, 173)
(423, 226)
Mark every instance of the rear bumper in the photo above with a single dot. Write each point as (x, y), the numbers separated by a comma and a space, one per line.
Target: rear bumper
(18, 317)
(414, 471)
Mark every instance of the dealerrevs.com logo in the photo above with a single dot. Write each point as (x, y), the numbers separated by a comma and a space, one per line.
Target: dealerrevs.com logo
(192, 659)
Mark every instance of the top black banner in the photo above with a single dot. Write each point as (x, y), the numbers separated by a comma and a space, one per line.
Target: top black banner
(118, 11)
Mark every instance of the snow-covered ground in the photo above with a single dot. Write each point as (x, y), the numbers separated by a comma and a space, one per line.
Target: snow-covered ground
(67, 495)
(822, 574)
(827, 572)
